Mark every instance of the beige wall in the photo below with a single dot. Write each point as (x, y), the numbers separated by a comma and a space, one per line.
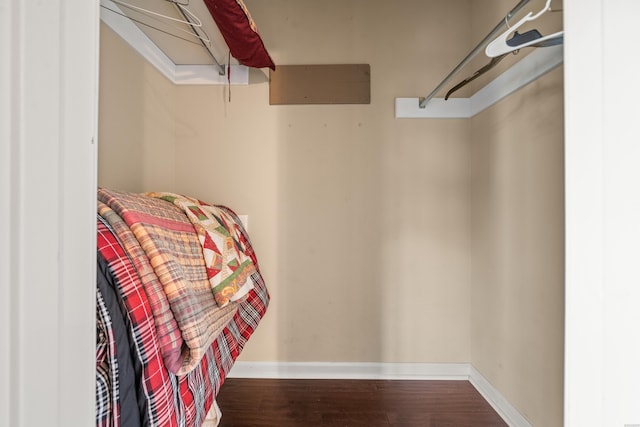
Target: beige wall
(137, 126)
(517, 284)
(374, 234)
(361, 221)
(517, 280)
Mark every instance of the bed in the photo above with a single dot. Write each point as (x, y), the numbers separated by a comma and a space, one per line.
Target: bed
(179, 293)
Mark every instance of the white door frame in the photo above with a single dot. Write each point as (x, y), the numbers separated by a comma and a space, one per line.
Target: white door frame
(602, 201)
(48, 130)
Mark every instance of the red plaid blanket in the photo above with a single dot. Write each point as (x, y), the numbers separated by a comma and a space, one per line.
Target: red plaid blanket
(164, 398)
(165, 248)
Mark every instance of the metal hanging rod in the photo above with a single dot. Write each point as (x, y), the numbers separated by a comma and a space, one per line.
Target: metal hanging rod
(489, 37)
(194, 28)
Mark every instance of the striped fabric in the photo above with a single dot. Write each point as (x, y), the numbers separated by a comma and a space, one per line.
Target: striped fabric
(107, 390)
(159, 393)
(170, 400)
(168, 338)
(184, 308)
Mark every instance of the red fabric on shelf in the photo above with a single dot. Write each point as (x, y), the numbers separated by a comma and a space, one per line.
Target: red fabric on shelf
(240, 33)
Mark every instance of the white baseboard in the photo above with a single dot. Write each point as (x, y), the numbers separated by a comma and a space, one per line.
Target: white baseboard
(360, 371)
(386, 371)
(508, 413)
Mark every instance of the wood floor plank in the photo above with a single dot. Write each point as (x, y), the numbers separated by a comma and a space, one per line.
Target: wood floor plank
(353, 403)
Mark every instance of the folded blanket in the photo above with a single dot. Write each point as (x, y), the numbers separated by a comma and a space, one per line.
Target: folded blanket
(229, 268)
(169, 337)
(168, 400)
(168, 256)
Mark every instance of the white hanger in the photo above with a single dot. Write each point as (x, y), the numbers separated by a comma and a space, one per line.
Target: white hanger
(499, 46)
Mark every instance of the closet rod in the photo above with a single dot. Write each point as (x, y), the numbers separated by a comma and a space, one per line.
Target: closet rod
(219, 66)
(489, 37)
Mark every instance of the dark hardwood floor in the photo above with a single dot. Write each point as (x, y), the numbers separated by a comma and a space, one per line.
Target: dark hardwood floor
(353, 403)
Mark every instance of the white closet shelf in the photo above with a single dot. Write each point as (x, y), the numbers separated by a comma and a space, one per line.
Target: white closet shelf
(178, 74)
(530, 68)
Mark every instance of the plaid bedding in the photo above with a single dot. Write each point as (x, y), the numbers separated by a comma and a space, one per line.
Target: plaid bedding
(107, 396)
(184, 309)
(228, 267)
(164, 398)
(121, 357)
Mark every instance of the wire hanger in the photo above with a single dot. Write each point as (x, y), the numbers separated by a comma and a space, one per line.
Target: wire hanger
(501, 46)
(159, 17)
(517, 39)
(151, 26)
(197, 23)
(195, 27)
(177, 2)
(481, 71)
(206, 43)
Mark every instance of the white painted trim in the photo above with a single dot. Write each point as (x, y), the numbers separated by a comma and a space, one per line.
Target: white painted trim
(602, 206)
(501, 405)
(48, 162)
(384, 371)
(208, 75)
(437, 108)
(137, 39)
(324, 370)
(7, 116)
(530, 68)
(177, 74)
(535, 65)
(585, 395)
